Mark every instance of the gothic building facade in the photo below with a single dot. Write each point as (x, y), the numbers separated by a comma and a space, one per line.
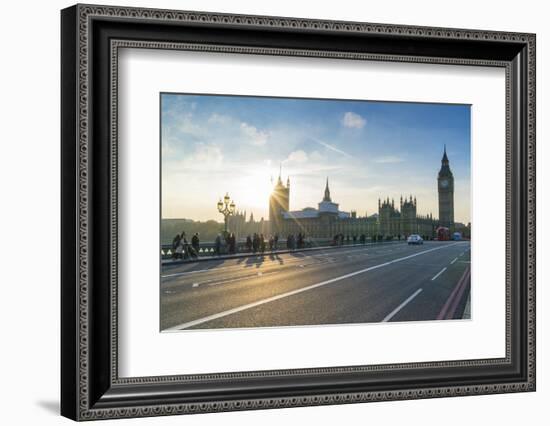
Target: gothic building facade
(241, 225)
(327, 220)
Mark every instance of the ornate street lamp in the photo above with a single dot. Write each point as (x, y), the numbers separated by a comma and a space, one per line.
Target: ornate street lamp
(227, 208)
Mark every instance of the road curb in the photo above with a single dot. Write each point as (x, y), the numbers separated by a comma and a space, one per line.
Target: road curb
(451, 305)
(269, 253)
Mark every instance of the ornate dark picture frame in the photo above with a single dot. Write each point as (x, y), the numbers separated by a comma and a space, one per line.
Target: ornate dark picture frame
(90, 385)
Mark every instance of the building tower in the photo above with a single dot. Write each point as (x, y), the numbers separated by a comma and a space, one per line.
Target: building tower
(445, 188)
(408, 217)
(278, 204)
(327, 193)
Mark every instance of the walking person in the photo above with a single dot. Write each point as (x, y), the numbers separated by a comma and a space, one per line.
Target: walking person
(232, 243)
(262, 243)
(175, 244)
(185, 246)
(195, 243)
(256, 242)
(179, 252)
(218, 244)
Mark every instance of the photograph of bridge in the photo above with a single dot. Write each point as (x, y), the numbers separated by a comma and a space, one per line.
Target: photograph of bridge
(300, 212)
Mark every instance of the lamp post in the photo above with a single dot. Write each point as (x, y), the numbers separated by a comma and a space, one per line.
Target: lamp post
(227, 208)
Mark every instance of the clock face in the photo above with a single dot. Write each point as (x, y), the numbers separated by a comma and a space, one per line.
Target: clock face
(444, 183)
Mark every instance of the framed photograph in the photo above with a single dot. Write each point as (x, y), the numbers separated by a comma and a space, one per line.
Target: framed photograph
(263, 212)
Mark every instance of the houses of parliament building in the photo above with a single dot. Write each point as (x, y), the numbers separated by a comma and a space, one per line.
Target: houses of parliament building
(392, 220)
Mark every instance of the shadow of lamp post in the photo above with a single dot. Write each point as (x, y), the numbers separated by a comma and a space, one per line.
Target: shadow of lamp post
(227, 208)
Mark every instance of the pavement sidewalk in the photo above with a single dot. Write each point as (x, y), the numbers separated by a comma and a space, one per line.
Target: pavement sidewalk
(274, 252)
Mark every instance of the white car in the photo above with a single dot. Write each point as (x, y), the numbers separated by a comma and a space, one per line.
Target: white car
(415, 239)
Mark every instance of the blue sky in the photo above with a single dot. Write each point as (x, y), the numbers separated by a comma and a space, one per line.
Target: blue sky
(217, 144)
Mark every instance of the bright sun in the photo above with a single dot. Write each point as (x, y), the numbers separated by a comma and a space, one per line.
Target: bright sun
(253, 190)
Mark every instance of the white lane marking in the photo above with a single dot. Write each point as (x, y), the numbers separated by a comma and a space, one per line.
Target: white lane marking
(454, 260)
(195, 284)
(177, 274)
(439, 273)
(396, 310)
(238, 278)
(297, 291)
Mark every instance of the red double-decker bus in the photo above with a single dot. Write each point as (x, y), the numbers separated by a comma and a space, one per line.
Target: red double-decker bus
(443, 233)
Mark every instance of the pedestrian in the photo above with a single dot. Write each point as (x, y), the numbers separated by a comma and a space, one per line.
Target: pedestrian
(255, 242)
(218, 244)
(248, 243)
(179, 251)
(354, 239)
(271, 242)
(185, 246)
(276, 241)
(175, 244)
(233, 243)
(190, 249)
(195, 242)
(262, 243)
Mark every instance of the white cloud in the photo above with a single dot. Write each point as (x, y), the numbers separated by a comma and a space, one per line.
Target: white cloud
(216, 118)
(206, 158)
(353, 120)
(297, 157)
(186, 124)
(255, 136)
(387, 159)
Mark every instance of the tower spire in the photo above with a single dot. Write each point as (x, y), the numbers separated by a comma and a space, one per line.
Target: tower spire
(327, 193)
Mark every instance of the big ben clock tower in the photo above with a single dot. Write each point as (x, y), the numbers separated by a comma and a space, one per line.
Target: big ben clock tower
(446, 188)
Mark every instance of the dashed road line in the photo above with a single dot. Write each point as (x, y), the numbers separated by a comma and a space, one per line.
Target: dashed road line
(405, 303)
(303, 289)
(454, 260)
(439, 273)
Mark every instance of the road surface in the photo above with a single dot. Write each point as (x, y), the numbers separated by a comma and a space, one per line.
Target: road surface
(351, 284)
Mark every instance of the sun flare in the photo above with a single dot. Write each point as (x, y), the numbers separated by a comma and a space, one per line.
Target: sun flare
(252, 191)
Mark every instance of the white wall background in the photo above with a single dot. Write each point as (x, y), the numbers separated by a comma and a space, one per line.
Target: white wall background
(29, 211)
